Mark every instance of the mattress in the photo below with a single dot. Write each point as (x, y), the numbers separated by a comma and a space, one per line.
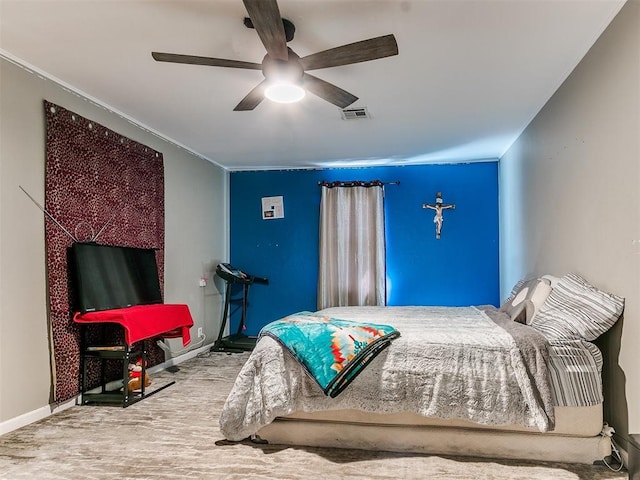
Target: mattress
(450, 362)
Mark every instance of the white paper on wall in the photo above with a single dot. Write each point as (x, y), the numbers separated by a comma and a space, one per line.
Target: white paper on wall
(272, 207)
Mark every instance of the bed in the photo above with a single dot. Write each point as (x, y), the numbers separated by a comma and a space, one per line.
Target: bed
(522, 381)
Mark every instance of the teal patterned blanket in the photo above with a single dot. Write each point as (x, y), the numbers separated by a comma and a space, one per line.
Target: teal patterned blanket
(331, 350)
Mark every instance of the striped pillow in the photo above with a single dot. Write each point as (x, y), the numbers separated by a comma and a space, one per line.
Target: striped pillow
(577, 310)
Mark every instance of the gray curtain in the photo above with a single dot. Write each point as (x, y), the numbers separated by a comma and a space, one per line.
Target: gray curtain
(352, 246)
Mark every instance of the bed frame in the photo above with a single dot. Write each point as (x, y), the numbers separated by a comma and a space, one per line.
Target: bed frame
(576, 439)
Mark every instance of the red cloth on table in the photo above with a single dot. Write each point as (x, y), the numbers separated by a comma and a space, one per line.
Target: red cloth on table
(145, 321)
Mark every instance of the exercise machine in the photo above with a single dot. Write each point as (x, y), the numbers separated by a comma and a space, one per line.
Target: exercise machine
(236, 342)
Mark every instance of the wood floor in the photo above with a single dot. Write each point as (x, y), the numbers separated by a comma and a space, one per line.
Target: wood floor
(174, 435)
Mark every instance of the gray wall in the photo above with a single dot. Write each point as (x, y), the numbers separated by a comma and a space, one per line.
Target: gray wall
(196, 228)
(569, 198)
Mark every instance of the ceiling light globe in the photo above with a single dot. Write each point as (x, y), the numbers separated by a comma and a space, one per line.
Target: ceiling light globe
(282, 92)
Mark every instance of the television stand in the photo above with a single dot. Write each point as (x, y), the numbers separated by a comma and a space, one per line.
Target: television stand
(140, 323)
(238, 342)
(120, 395)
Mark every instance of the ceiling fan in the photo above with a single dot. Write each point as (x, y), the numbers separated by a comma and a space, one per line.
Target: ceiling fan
(281, 66)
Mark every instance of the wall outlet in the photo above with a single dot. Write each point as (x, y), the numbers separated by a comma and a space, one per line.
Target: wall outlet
(203, 282)
(199, 332)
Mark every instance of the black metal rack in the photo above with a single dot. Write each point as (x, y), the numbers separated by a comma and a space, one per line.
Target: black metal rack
(120, 394)
(236, 342)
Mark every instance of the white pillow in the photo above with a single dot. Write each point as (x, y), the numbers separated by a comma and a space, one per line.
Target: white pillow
(553, 280)
(526, 299)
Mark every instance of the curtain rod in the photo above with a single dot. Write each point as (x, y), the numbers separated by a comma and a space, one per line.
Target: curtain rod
(356, 183)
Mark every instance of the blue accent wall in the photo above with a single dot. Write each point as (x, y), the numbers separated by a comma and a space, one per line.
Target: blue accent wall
(461, 268)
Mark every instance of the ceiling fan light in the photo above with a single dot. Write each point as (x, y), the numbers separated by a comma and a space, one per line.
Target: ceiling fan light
(284, 92)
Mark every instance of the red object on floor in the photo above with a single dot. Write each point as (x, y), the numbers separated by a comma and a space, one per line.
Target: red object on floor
(145, 321)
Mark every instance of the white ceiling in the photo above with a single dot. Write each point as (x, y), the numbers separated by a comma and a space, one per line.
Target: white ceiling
(469, 76)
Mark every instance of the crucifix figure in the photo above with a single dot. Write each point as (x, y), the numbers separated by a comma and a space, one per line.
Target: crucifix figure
(438, 207)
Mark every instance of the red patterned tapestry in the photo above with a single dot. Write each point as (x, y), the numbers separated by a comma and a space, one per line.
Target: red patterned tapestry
(97, 183)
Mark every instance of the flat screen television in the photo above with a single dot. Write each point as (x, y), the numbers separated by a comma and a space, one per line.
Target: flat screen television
(106, 277)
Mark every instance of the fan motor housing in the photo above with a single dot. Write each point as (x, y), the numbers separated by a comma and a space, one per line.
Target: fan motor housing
(289, 27)
(279, 70)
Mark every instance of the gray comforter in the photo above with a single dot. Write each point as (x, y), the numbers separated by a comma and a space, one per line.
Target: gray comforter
(450, 362)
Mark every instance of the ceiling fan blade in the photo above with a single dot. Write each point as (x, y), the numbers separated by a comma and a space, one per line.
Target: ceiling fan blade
(253, 98)
(362, 51)
(267, 21)
(327, 91)
(212, 62)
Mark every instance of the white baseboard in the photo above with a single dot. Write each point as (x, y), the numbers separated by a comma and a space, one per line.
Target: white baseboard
(33, 416)
(48, 410)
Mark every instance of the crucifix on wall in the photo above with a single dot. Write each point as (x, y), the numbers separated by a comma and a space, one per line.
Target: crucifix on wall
(438, 207)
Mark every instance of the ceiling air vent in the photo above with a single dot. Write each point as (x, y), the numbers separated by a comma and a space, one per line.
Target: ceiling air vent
(354, 113)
